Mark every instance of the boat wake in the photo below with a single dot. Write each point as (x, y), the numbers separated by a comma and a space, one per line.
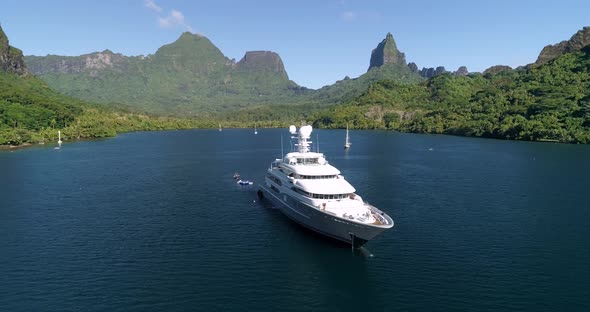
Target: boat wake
(362, 251)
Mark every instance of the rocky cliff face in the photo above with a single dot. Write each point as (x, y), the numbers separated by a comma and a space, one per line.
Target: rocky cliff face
(92, 62)
(413, 68)
(11, 58)
(189, 52)
(496, 69)
(262, 61)
(431, 71)
(461, 71)
(578, 41)
(386, 53)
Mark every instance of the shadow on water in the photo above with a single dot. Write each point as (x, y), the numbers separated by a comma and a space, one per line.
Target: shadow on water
(302, 233)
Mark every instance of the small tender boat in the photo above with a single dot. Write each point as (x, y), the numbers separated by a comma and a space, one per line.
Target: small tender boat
(245, 182)
(236, 176)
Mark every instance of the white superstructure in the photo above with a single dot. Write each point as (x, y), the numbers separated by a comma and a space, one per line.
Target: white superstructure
(309, 190)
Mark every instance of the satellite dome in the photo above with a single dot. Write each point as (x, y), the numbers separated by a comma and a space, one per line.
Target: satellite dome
(305, 131)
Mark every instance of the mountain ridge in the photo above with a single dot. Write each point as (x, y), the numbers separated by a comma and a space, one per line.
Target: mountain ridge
(547, 102)
(188, 75)
(192, 75)
(578, 41)
(32, 112)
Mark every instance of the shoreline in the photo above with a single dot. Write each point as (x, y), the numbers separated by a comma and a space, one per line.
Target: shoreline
(6, 148)
(16, 147)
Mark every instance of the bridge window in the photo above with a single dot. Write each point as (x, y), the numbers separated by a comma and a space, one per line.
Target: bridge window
(307, 177)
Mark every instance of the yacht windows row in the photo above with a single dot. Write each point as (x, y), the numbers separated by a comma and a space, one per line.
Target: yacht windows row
(275, 179)
(308, 177)
(307, 161)
(312, 177)
(323, 196)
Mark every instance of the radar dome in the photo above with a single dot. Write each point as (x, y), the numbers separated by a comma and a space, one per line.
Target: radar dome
(292, 129)
(305, 131)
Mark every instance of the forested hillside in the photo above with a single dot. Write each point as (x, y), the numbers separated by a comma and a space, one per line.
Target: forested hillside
(540, 102)
(31, 112)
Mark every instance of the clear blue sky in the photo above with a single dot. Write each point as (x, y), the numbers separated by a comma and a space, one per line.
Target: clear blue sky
(319, 41)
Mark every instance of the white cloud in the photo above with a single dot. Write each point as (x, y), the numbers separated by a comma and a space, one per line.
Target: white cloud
(175, 18)
(151, 4)
(348, 16)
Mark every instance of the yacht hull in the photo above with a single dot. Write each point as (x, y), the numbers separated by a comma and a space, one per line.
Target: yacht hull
(321, 222)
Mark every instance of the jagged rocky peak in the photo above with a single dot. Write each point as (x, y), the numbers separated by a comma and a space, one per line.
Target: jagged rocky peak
(461, 71)
(11, 58)
(578, 41)
(386, 53)
(496, 69)
(103, 60)
(431, 72)
(262, 60)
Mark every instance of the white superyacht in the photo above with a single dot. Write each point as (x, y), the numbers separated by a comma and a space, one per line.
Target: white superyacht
(314, 194)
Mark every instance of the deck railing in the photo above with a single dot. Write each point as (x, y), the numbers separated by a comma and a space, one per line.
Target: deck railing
(378, 214)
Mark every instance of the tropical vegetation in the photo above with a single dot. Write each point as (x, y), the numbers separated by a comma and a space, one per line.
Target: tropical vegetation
(31, 112)
(550, 102)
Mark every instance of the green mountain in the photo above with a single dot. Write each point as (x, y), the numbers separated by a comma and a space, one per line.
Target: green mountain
(344, 90)
(31, 111)
(192, 76)
(386, 62)
(188, 76)
(26, 102)
(548, 102)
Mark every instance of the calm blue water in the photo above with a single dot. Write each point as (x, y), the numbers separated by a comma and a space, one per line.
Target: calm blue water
(154, 222)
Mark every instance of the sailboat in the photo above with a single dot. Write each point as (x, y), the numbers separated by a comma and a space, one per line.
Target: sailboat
(219, 127)
(255, 131)
(58, 140)
(347, 142)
